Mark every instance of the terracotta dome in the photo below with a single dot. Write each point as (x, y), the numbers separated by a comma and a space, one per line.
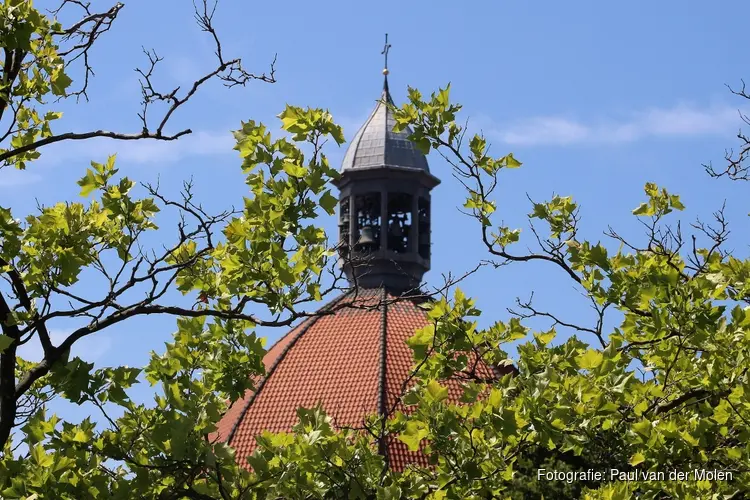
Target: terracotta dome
(354, 362)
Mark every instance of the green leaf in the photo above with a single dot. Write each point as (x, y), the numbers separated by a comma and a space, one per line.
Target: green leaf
(414, 434)
(511, 162)
(437, 391)
(40, 457)
(636, 459)
(496, 398)
(5, 342)
(443, 97)
(508, 422)
(88, 183)
(328, 202)
(545, 338)
(722, 412)
(289, 118)
(640, 408)
(674, 201)
(734, 453)
(423, 144)
(294, 170)
(643, 428)
(590, 359)
(80, 437)
(643, 209)
(60, 82)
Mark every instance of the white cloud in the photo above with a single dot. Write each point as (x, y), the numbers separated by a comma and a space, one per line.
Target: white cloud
(12, 177)
(679, 121)
(550, 130)
(90, 348)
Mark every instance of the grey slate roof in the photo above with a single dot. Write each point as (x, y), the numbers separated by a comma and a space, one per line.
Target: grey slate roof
(377, 145)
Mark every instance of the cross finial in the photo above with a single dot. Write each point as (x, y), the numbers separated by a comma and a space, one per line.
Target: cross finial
(385, 53)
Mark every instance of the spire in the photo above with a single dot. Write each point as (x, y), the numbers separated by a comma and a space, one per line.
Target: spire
(384, 203)
(386, 47)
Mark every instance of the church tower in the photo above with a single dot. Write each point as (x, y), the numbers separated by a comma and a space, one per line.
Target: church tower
(384, 204)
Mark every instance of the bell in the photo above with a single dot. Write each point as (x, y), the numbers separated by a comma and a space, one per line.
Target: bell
(366, 237)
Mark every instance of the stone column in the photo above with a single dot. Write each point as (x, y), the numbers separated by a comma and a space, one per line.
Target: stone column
(414, 229)
(384, 221)
(353, 237)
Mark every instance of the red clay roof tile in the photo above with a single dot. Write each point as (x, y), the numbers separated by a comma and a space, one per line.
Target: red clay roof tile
(334, 359)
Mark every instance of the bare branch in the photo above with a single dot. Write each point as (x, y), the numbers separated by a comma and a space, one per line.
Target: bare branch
(85, 32)
(532, 312)
(228, 71)
(736, 167)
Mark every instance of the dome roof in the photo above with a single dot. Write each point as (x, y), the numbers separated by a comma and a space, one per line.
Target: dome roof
(377, 145)
(354, 361)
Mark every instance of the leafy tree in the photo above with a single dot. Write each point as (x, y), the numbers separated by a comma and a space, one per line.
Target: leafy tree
(267, 254)
(684, 320)
(571, 405)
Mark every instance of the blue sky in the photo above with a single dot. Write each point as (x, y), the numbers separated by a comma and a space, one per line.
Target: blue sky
(596, 98)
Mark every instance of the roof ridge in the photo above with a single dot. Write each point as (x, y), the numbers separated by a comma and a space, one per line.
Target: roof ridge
(384, 102)
(382, 403)
(387, 101)
(305, 326)
(360, 133)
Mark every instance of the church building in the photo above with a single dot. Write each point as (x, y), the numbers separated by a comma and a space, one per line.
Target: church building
(355, 361)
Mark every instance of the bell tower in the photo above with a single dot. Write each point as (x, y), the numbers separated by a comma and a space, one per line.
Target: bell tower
(384, 204)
